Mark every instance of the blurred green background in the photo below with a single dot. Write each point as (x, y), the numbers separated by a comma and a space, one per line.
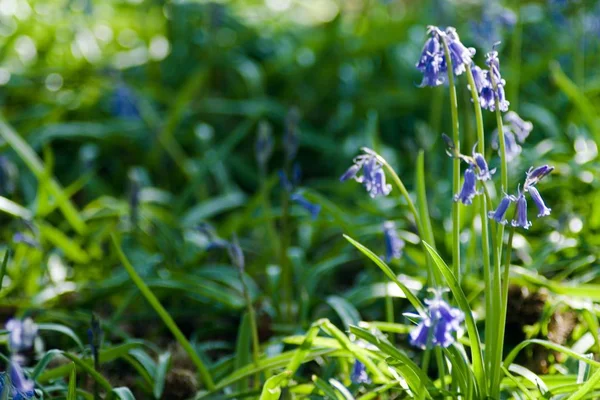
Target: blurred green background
(146, 113)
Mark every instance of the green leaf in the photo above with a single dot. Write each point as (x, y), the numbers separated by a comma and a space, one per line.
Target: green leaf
(72, 392)
(242, 350)
(162, 367)
(389, 273)
(328, 391)
(123, 393)
(65, 330)
(463, 304)
(530, 376)
(587, 387)
(346, 311)
(550, 345)
(303, 351)
(3, 267)
(422, 199)
(272, 387)
(14, 209)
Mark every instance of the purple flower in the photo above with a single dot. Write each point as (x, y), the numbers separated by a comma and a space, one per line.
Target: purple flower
(513, 149)
(373, 177)
(393, 244)
(468, 190)
(359, 373)
(439, 326)
(124, 103)
(313, 209)
(21, 334)
(483, 172)
(539, 202)
(521, 128)
(479, 77)
(534, 175)
(521, 220)
(459, 53)
(500, 212)
(431, 63)
(22, 388)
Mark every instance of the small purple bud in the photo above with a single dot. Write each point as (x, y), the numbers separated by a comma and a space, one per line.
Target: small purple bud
(500, 212)
(534, 175)
(539, 202)
(393, 244)
(483, 172)
(468, 190)
(313, 209)
(521, 220)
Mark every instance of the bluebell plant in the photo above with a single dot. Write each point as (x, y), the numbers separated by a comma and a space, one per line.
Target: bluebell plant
(516, 131)
(373, 175)
(359, 373)
(21, 338)
(440, 326)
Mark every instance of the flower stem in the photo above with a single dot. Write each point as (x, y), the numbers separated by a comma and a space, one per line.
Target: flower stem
(455, 165)
(253, 328)
(496, 290)
(485, 241)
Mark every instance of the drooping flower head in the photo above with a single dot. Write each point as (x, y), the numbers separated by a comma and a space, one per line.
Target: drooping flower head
(539, 202)
(521, 217)
(313, 209)
(21, 334)
(359, 373)
(393, 244)
(440, 326)
(469, 190)
(480, 164)
(499, 214)
(373, 177)
(433, 63)
(534, 175)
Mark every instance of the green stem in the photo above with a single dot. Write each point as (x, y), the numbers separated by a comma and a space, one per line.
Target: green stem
(286, 273)
(485, 241)
(389, 311)
(495, 292)
(203, 371)
(455, 165)
(253, 328)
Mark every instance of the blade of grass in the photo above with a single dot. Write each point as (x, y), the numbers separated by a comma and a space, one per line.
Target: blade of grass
(272, 387)
(33, 162)
(203, 371)
(72, 392)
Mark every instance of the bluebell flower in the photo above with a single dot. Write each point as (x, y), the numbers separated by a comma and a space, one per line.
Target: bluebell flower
(494, 19)
(479, 78)
(393, 244)
(313, 209)
(468, 190)
(499, 214)
(263, 147)
(539, 202)
(459, 53)
(22, 388)
(495, 80)
(359, 373)
(483, 172)
(513, 149)
(373, 176)
(521, 128)
(431, 62)
(439, 327)
(521, 220)
(534, 175)
(21, 334)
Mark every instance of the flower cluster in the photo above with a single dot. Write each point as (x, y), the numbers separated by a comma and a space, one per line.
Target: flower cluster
(489, 84)
(393, 244)
(516, 130)
(359, 373)
(21, 337)
(534, 175)
(373, 177)
(433, 62)
(439, 327)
